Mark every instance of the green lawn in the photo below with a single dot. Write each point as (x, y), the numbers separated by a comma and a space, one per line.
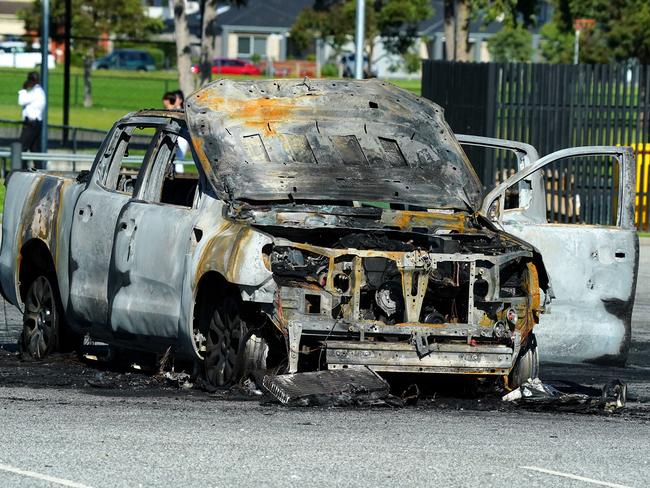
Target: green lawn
(413, 85)
(115, 93)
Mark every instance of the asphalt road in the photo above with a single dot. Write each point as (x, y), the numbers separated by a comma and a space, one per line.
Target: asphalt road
(64, 423)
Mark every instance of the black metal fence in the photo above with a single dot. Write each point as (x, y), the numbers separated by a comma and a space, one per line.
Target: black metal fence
(553, 107)
(59, 136)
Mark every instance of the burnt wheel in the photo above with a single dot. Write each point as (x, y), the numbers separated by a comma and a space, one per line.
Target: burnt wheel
(40, 335)
(527, 365)
(225, 339)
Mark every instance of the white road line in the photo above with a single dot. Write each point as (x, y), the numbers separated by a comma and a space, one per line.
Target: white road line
(42, 477)
(574, 477)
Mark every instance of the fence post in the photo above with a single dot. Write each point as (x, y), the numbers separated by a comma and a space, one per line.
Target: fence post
(16, 155)
(76, 88)
(491, 100)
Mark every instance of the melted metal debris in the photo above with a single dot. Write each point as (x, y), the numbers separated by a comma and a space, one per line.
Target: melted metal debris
(338, 387)
(533, 393)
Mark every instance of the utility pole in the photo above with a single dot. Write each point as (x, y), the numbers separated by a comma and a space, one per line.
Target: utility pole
(580, 25)
(66, 70)
(358, 57)
(45, 38)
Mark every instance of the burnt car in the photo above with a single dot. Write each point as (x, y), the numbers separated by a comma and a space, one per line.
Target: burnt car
(329, 224)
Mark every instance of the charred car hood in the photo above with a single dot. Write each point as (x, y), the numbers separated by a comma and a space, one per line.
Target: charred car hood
(279, 140)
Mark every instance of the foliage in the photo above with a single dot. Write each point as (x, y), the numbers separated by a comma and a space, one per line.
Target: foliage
(511, 44)
(510, 12)
(556, 46)
(620, 31)
(412, 61)
(92, 18)
(515, 16)
(329, 70)
(394, 21)
(328, 24)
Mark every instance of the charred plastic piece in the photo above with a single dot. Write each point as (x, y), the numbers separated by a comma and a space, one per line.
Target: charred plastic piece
(327, 388)
(540, 396)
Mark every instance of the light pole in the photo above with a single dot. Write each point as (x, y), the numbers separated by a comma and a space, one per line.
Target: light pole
(45, 37)
(580, 25)
(66, 71)
(358, 57)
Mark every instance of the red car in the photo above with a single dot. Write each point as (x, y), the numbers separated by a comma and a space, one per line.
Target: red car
(226, 66)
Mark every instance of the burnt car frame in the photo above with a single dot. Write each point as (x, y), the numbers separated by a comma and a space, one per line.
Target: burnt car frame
(329, 225)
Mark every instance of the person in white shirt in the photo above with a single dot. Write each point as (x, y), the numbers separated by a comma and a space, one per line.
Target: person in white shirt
(32, 100)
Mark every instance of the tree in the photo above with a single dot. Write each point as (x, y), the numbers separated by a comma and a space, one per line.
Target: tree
(209, 33)
(183, 48)
(511, 44)
(456, 27)
(325, 22)
(90, 18)
(395, 22)
(459, 13)
(620, 31)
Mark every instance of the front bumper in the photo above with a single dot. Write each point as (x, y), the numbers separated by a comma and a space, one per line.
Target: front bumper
(403, 357)
(406, 348)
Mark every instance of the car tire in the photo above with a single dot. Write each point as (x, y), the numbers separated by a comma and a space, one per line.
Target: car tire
(41, 319)
(527, 365)
(226, 334)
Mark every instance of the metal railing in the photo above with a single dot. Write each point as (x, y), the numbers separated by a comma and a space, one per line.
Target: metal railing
(13, 158)
(59, 136)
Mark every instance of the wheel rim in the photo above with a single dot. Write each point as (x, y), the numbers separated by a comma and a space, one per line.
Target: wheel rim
(223, 344)
(40, 319)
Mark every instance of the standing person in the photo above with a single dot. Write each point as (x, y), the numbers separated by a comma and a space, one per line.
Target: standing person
(32, 99)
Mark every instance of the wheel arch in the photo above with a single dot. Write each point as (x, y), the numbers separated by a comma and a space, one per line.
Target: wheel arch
(35, 259)
(209, 286)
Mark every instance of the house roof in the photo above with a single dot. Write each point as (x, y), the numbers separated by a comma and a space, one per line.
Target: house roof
(281, 14)
(265, 13)
(269, 14)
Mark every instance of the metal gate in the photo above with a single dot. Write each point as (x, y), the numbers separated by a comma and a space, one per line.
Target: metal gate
(552, 107)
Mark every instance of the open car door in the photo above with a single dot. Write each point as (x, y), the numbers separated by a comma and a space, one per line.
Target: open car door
(592, 268)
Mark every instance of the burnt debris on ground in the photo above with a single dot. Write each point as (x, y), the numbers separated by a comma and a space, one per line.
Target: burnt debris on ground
(441, 393)
(569, 396)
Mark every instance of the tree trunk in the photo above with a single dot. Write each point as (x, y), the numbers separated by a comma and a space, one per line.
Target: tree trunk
(457, 17)
(450, 36)
(209, 31)
(183, 49)
(462, 32)
(88, 68)
(367, 72)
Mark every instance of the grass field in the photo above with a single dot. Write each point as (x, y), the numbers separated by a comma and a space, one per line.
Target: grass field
(114, 94)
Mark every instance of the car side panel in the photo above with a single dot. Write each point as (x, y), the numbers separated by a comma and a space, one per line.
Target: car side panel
(37, 206)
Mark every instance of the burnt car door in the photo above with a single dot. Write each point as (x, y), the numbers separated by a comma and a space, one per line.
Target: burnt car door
(592, 267)
(153, 238)
(111, 183)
